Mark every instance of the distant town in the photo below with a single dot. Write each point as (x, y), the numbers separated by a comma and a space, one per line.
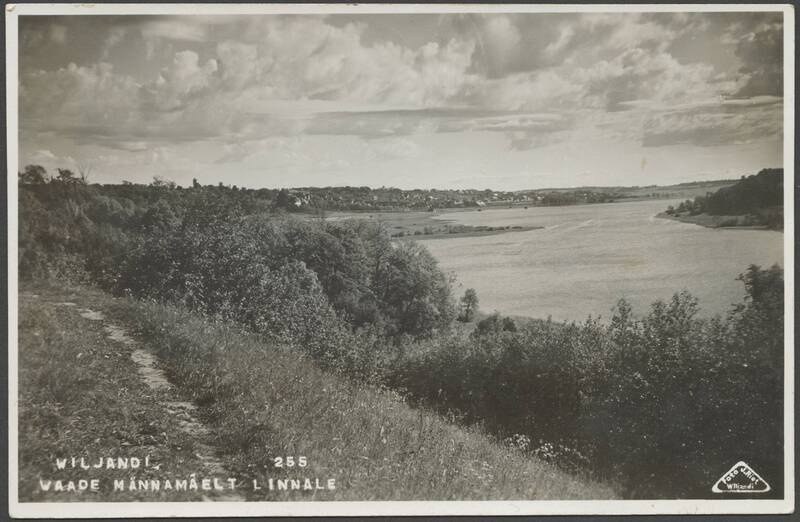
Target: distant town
(383, 198)
(364, 198)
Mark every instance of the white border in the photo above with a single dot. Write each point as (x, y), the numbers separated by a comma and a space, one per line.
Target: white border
(355, 8)
(377, 508)
(12, 151)
(788, 251)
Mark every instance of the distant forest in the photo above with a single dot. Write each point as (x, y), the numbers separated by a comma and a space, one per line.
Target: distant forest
(759, 197)
(652, 401)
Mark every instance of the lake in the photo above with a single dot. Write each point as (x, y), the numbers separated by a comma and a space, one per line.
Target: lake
(589, 256)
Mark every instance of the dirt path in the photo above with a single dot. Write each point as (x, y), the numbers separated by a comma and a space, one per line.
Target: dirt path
(184, 412)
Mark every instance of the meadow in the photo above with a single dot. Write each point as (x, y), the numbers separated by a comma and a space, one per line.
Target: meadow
(81, 396)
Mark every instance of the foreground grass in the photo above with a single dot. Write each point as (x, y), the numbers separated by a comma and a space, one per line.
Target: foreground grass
(80, 396)
(264, 401)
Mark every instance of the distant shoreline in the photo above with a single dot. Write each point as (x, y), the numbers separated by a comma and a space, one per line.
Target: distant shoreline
(422, 225)
(709, 221)
(471, 233)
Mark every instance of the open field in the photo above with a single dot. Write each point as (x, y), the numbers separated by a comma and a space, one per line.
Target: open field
(80, 395)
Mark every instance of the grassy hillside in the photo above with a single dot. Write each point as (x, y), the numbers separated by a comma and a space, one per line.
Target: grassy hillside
(81, 396)
(262, 400)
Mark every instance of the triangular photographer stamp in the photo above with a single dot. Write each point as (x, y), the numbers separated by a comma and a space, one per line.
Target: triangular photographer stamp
(741, 478)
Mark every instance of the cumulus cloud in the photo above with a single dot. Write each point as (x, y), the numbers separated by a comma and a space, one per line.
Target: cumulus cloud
(88, 98)
(565, 35)
(43, 156)
(590, 37)
(184, 79)
(289, 59)
(761, 52)
(95, 102)
(639, 74)
(533, 78)
(636, 32)
(305, 57)
(501, 39)
(239, 64)
(49, 160)
(171, 29)
(712, 125)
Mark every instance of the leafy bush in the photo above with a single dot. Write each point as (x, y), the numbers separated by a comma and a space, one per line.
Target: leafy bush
(661, 404)
(493, 324)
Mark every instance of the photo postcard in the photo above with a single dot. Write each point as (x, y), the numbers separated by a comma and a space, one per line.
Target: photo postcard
(385, 259)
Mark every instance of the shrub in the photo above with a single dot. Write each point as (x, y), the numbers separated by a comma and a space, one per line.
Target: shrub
(661, 404)
(493, 324)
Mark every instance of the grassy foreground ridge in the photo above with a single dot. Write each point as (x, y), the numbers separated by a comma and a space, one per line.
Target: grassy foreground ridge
(261, 400)
(81, 396)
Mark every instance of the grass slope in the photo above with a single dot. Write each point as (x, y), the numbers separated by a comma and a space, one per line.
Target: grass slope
(80, 396)
(263, 401)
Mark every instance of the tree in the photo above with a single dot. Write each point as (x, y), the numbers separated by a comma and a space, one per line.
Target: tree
(412, 292)
(67, 177)
(33, 175)
(158, 181)
(469, 305)
(282, 201)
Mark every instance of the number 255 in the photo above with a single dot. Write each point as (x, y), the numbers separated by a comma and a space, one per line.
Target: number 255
(290, 462)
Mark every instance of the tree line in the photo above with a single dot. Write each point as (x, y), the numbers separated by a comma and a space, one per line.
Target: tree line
(759, 196)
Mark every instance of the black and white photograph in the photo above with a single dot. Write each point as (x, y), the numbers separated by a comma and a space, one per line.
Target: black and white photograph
(386, 259)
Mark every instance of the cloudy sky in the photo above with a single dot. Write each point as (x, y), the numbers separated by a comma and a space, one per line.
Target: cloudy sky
(506, 101)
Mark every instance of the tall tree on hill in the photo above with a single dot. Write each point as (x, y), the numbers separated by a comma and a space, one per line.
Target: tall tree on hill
(469, 305)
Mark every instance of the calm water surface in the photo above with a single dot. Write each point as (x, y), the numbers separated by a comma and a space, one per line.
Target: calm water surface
(587, 257)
